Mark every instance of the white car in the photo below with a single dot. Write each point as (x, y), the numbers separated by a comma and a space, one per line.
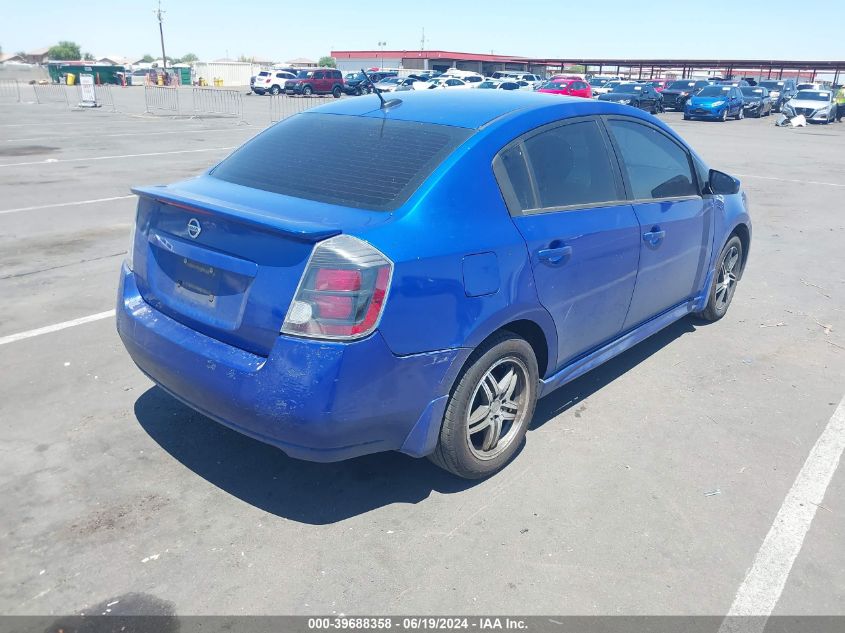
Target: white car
(389, 84)
(608, 87)
(498, 84)
(528, 78)
(472, 80)
(816, 106)
(409, 83)
(271, 82)
(808, 87)
(447, 82)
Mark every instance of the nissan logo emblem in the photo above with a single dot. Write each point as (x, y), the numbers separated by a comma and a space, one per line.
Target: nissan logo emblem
(194, 228)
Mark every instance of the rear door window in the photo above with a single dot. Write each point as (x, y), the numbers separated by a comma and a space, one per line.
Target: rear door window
(563, 167)
(362, 162)
(656, 166)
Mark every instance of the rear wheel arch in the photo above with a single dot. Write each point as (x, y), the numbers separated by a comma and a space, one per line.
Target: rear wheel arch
(536, 338)
(539, 338)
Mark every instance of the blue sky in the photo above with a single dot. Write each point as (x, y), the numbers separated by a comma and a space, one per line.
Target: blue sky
(283, 30)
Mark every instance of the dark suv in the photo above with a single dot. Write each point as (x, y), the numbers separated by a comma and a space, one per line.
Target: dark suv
(780, 90)
(675, 95)
(316, 81)
(357, 84)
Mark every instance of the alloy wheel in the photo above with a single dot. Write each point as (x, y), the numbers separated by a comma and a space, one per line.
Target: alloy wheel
(497, 408)
(726, 281)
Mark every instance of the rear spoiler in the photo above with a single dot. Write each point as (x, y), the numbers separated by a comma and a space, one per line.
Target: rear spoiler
(301, 230)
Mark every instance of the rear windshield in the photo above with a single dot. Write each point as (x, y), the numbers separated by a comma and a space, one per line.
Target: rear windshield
(361, 162)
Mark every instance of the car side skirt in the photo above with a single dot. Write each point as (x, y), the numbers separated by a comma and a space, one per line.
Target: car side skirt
(582, 365)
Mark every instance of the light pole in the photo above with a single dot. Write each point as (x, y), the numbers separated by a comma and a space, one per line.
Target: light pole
(381, 46)
(158, 13)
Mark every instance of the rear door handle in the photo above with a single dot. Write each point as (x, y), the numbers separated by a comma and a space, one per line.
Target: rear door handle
(555, 256)
(654, 236)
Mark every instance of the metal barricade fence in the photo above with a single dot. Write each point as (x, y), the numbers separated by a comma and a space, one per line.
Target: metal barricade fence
(10, 90)
(161, 98)
(217, 101)
(105, 97)
(102, 93)
(51, 93)
(281, 106)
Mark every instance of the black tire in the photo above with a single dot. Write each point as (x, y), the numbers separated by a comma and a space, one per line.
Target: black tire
(275, 90)
(358, 92)
(740, 115)
(458, 450)
(718, 304)
(724, 116)
(687, 117)
(336, 92)
(307, 91)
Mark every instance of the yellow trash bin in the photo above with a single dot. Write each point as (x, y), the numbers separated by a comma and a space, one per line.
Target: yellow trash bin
(71, 79)
(160, 80)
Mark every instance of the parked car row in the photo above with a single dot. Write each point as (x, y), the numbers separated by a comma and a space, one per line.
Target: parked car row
(717, 99)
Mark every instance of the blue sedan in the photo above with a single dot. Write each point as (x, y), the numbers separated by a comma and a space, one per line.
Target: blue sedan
(715, 102)
(413, 276)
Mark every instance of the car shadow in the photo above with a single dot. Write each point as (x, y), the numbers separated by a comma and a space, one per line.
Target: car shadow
(266, 478)
(571, 394)
(320, 494)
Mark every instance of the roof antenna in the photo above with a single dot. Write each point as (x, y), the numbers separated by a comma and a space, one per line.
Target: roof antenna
(384, 104)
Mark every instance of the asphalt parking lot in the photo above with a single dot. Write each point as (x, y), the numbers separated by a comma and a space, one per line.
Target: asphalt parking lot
(646, 487)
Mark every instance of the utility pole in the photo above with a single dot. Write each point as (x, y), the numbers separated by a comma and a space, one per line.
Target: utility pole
(381, 46)
(422, 40)
(161, 34)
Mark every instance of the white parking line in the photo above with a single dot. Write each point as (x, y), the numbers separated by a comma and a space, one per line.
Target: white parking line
(760, 591)
(49, 161)
(65, 204)
(12, 338)
(800, 182)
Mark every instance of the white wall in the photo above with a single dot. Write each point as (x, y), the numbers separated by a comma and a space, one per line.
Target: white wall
(232, 73)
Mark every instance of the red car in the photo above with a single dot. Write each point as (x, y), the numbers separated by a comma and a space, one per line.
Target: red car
(659, 84)
(570, 87)
(317, 81)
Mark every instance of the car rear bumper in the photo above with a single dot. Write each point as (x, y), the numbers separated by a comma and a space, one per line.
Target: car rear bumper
(315, 400)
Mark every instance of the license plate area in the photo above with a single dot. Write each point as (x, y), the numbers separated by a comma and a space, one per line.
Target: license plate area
(205, 286)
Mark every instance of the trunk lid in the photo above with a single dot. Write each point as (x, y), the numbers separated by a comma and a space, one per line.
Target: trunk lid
(224, 268)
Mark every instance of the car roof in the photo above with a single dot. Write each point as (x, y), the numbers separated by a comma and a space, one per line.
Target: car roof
(461, 108)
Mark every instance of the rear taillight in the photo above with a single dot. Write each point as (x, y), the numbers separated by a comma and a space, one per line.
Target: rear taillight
(342, 292)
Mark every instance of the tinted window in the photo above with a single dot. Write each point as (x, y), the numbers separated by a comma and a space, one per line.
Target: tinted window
(378, 164)
(657, 166)
(571, 167)
(513, 160)
(714, 91)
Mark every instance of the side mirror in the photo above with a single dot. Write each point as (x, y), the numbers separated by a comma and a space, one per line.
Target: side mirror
(721, 184)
